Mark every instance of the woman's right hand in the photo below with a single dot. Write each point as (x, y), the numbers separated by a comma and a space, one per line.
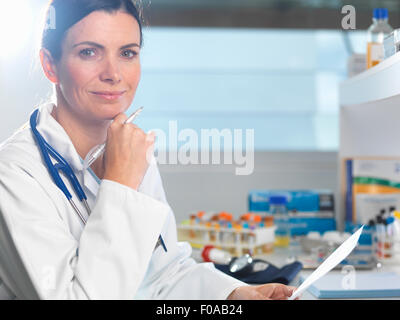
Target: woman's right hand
(128, 152)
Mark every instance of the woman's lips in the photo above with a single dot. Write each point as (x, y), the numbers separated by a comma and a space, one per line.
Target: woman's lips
(109, 95)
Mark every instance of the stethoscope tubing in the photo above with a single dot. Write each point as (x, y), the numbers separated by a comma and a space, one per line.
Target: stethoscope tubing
(46, 150)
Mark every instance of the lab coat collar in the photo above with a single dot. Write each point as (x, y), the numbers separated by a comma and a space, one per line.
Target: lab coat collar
(56, 136)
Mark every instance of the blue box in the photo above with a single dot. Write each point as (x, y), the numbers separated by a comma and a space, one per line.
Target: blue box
(309, 210)
(366, 235)
(301, 225)
(298, 200)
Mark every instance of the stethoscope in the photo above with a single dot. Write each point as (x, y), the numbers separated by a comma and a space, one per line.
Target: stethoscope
(62, 165)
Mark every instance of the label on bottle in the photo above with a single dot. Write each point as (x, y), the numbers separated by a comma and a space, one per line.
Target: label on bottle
(375, 53)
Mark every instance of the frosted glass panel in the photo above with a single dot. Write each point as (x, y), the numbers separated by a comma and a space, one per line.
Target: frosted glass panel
(213, 48)
(283, 84)
(217, 92)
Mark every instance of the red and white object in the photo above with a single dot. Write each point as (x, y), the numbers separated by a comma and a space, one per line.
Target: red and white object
(213, 254)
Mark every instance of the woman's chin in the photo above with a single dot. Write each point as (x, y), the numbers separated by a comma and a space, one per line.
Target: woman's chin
(109, 112)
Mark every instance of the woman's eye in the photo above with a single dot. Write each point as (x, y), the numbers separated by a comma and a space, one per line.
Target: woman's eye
(129, 54)
(87, 53)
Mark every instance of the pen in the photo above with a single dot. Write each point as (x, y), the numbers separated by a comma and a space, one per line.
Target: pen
(98, 150)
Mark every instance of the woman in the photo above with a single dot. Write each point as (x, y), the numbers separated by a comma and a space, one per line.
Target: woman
(92, 57)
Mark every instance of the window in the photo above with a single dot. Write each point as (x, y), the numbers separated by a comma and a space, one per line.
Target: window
(282, 83)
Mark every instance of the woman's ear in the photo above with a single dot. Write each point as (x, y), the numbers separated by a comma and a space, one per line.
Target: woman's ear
(48, 65)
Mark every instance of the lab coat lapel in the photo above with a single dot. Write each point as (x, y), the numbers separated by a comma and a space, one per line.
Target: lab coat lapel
(91, 183)
(56, 136)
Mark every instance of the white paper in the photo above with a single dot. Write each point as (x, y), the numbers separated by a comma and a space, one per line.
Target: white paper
(332, 261)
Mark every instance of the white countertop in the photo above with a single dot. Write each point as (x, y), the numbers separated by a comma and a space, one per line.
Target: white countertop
(280, 257)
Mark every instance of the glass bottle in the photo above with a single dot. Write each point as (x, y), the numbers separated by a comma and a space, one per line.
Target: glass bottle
(278, 209)
(376, 33)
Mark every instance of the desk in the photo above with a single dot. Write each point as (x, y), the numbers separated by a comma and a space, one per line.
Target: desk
(280, 257)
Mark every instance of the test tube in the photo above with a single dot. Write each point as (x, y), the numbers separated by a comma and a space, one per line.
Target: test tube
(245, 235)
(389, 237)
(238, 240)
(229, 235)
(380, 235)
(217, 228)
(206, 233)
(192, 233)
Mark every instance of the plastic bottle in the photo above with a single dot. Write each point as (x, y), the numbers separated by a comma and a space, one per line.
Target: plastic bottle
(278, 208)
(377, 32)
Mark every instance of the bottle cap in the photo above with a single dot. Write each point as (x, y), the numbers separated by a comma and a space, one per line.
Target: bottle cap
(252, 217)
(390, 220)
(380, 13)
(396, 214)
(205, 253)
(223, 215)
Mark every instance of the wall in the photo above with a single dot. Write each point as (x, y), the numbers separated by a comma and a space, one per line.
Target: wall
(191, 188)
(308, 119)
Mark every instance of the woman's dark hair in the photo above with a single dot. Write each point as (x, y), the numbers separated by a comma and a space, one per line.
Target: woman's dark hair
(61, 15)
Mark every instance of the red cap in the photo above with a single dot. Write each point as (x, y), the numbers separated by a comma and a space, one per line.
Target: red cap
(205, 253)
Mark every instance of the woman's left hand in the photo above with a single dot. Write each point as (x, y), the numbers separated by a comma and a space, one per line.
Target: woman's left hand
(270, 291)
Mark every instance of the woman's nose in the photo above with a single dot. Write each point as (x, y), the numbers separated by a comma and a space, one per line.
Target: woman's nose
(111, 72)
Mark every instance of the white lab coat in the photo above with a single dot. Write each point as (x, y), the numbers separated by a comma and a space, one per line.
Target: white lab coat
(113, 256)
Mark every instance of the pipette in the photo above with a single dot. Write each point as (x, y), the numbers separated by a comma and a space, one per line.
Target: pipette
(98, 150)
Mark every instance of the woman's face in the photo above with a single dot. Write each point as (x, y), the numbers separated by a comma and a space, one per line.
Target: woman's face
(99, 70)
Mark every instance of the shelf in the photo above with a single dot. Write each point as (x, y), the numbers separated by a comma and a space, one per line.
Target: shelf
(377, 83)
(370, 112)
(371, 129)
(369, 119)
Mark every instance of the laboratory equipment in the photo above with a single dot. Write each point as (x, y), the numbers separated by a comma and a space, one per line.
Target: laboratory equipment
(259, 271)
(332, 261)
(309, 210)
(391, 43)
(384, 239)
(316, 248)
(212, 254)
(376, 34)
(278, 209)
(241, 265)
(237, 237)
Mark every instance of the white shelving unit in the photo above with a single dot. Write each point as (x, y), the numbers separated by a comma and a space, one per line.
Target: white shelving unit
(369, 118)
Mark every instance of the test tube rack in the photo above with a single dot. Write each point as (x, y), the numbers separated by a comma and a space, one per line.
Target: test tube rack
(259, 240)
